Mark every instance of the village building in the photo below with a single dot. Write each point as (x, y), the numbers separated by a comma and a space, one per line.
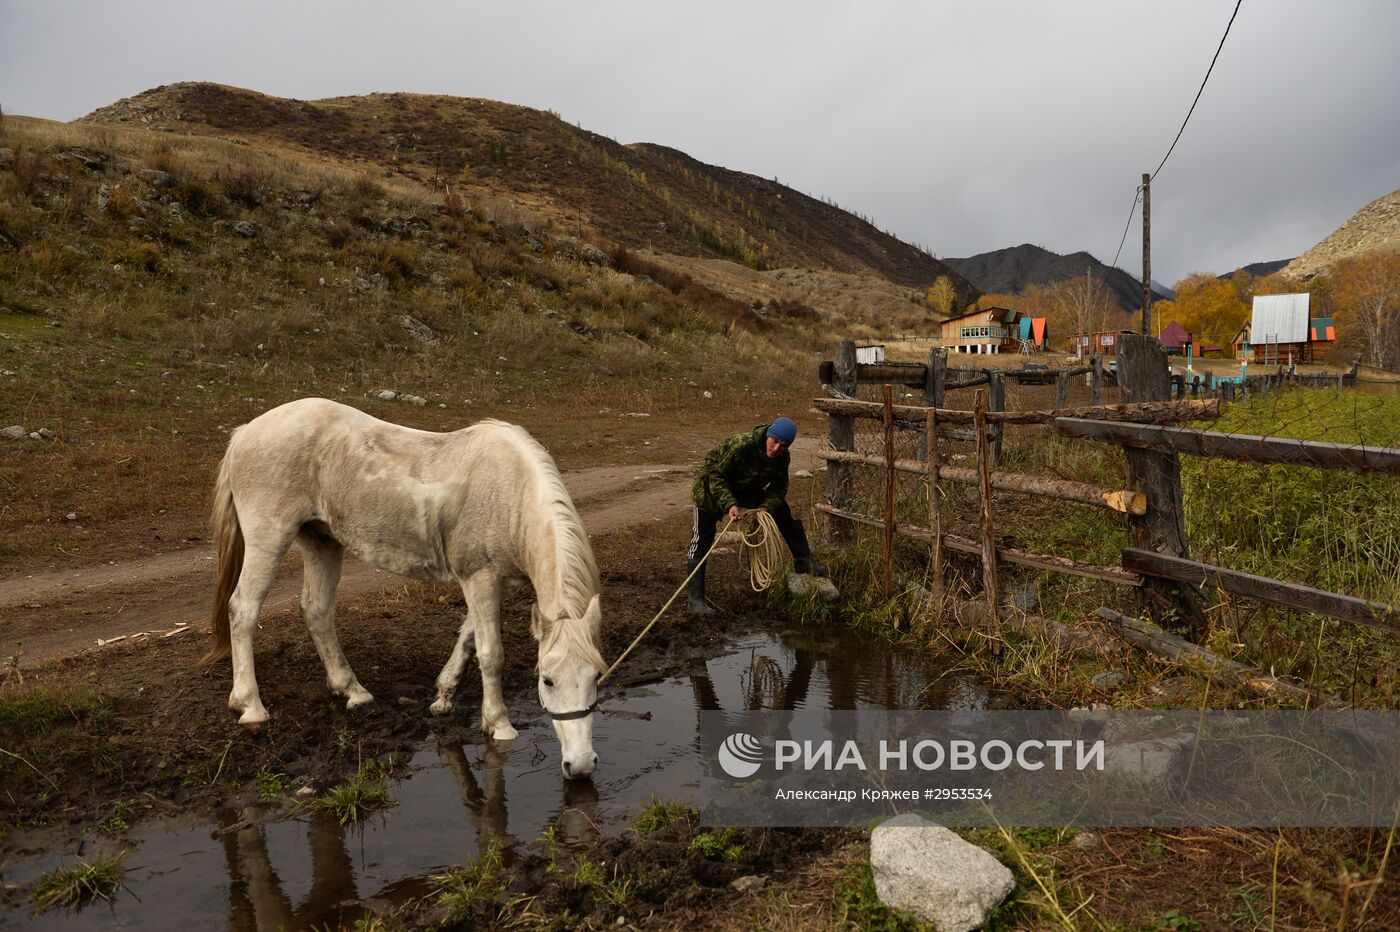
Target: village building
(1176, 339)
(995, 330)
(1100, 341)
(1281, 331)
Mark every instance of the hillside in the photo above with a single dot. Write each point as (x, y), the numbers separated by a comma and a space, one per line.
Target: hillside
(1007, 271)
(1375, 226)
(640, 196)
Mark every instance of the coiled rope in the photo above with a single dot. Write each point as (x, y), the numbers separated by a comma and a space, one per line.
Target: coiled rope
(763, 551)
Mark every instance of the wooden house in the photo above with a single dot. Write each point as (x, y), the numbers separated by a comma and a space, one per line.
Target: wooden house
(1281, 331)
(1175, 339)
(1101, 341)
(994, 330)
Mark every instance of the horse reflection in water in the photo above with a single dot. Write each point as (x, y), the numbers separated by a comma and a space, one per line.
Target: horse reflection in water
(257, 899)
(576, 825)
(257, 896)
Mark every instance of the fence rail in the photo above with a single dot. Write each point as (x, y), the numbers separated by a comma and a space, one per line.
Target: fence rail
(1156, 563)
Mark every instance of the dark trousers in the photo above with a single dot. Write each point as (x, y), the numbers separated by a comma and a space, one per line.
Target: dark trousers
(703, 533)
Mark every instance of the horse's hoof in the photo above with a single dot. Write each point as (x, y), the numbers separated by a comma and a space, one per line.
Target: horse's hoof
(441, 707)
(253, 728)
(358, 700)
(504, 733)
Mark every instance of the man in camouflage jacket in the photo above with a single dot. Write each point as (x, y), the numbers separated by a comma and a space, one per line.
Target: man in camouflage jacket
(747, 471)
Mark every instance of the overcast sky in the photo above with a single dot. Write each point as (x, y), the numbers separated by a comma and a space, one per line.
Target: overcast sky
(965, 126)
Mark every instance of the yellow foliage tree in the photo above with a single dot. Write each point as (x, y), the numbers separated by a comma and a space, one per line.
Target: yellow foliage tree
(942, 295)
(1211, 309)
(1366, 293)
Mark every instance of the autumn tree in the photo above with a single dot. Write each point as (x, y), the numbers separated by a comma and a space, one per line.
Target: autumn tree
(942, 295)
(1079, 305)
(1366, 300)
(1211, 309)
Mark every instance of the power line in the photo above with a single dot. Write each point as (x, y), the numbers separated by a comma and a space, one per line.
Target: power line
(1202, 88)
(1138, 195)
(1131, 211)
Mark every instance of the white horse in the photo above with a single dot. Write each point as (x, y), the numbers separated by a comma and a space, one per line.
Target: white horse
(483, 507)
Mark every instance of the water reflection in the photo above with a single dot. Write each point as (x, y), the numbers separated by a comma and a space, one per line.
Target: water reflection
(257, 899)
(462, 798)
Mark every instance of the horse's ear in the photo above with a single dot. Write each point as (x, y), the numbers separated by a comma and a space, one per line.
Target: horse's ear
(593, 615)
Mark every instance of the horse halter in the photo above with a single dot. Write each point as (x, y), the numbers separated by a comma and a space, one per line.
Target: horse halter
(570, 716)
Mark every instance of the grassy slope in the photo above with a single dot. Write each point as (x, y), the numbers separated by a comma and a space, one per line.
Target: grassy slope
(140, 325)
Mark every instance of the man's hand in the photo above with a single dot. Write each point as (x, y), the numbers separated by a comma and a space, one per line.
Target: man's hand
(734, 512)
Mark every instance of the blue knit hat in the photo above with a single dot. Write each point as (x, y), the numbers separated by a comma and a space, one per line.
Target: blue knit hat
(783, 429)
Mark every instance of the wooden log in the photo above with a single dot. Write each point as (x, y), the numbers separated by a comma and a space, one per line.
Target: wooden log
(984, 500)
(842, 437)
(1376, 615)
(1224, 672)
(1245, 448)
(1075, 640)
(1125, 501)
(1095, 377)
(1144, 376)
(1039, 561)
(906, 374)
(912, 416)
(888, 551)
(1062, 389)
(935, 508)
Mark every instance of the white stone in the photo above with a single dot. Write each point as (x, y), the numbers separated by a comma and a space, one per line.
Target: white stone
(931, 872)
(818, 587)
(14, 432)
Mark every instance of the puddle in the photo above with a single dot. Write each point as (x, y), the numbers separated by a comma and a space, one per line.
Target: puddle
(302, 871)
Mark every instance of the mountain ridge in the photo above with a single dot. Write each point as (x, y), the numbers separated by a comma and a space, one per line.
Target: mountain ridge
(1010, 270)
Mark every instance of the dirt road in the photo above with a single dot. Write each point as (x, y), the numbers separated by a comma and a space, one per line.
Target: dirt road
(44, 616)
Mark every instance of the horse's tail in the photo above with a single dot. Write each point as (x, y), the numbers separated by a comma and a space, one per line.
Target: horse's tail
(229, 536)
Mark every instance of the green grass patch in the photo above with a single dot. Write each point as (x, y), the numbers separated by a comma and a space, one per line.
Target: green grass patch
(37, 710)
(270, 783)
(718, 846)
(658, 814)
(355, 800)
(859, 907)
(469, 892)
(73, 887)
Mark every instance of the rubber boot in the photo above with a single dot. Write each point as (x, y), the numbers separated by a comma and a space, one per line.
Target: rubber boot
(695, 592)
(802, 562)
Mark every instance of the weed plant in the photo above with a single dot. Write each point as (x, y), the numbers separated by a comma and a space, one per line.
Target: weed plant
(77, 886)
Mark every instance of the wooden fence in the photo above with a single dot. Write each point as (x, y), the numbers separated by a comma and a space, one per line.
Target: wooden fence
(1157, 563)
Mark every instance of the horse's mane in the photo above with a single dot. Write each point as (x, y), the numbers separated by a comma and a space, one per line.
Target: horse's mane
(575, 569)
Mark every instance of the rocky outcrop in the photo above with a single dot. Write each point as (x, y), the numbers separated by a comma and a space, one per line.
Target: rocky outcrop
(1375, 226)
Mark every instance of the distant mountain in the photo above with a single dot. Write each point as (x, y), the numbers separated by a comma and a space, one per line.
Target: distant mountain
(1161, 289)
(1259, 269)
(1007, 271)
(1375, 226)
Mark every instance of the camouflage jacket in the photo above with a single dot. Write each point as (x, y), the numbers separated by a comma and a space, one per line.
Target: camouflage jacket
(739, 472)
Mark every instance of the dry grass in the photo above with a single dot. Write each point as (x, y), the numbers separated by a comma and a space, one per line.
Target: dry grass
(141, 332)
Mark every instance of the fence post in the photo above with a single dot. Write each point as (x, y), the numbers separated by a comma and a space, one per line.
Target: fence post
(1144, 375)
(888, 550)
(984, 489)
(1195, 387)
(996, 391)
(935, 508)
(935, 386)
(1062, 389)
(1095, 377)
(842, 437)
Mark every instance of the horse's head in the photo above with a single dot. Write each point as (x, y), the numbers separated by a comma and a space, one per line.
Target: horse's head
(569, 667)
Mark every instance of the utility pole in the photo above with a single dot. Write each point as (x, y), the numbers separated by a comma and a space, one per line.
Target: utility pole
(1146, 248)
